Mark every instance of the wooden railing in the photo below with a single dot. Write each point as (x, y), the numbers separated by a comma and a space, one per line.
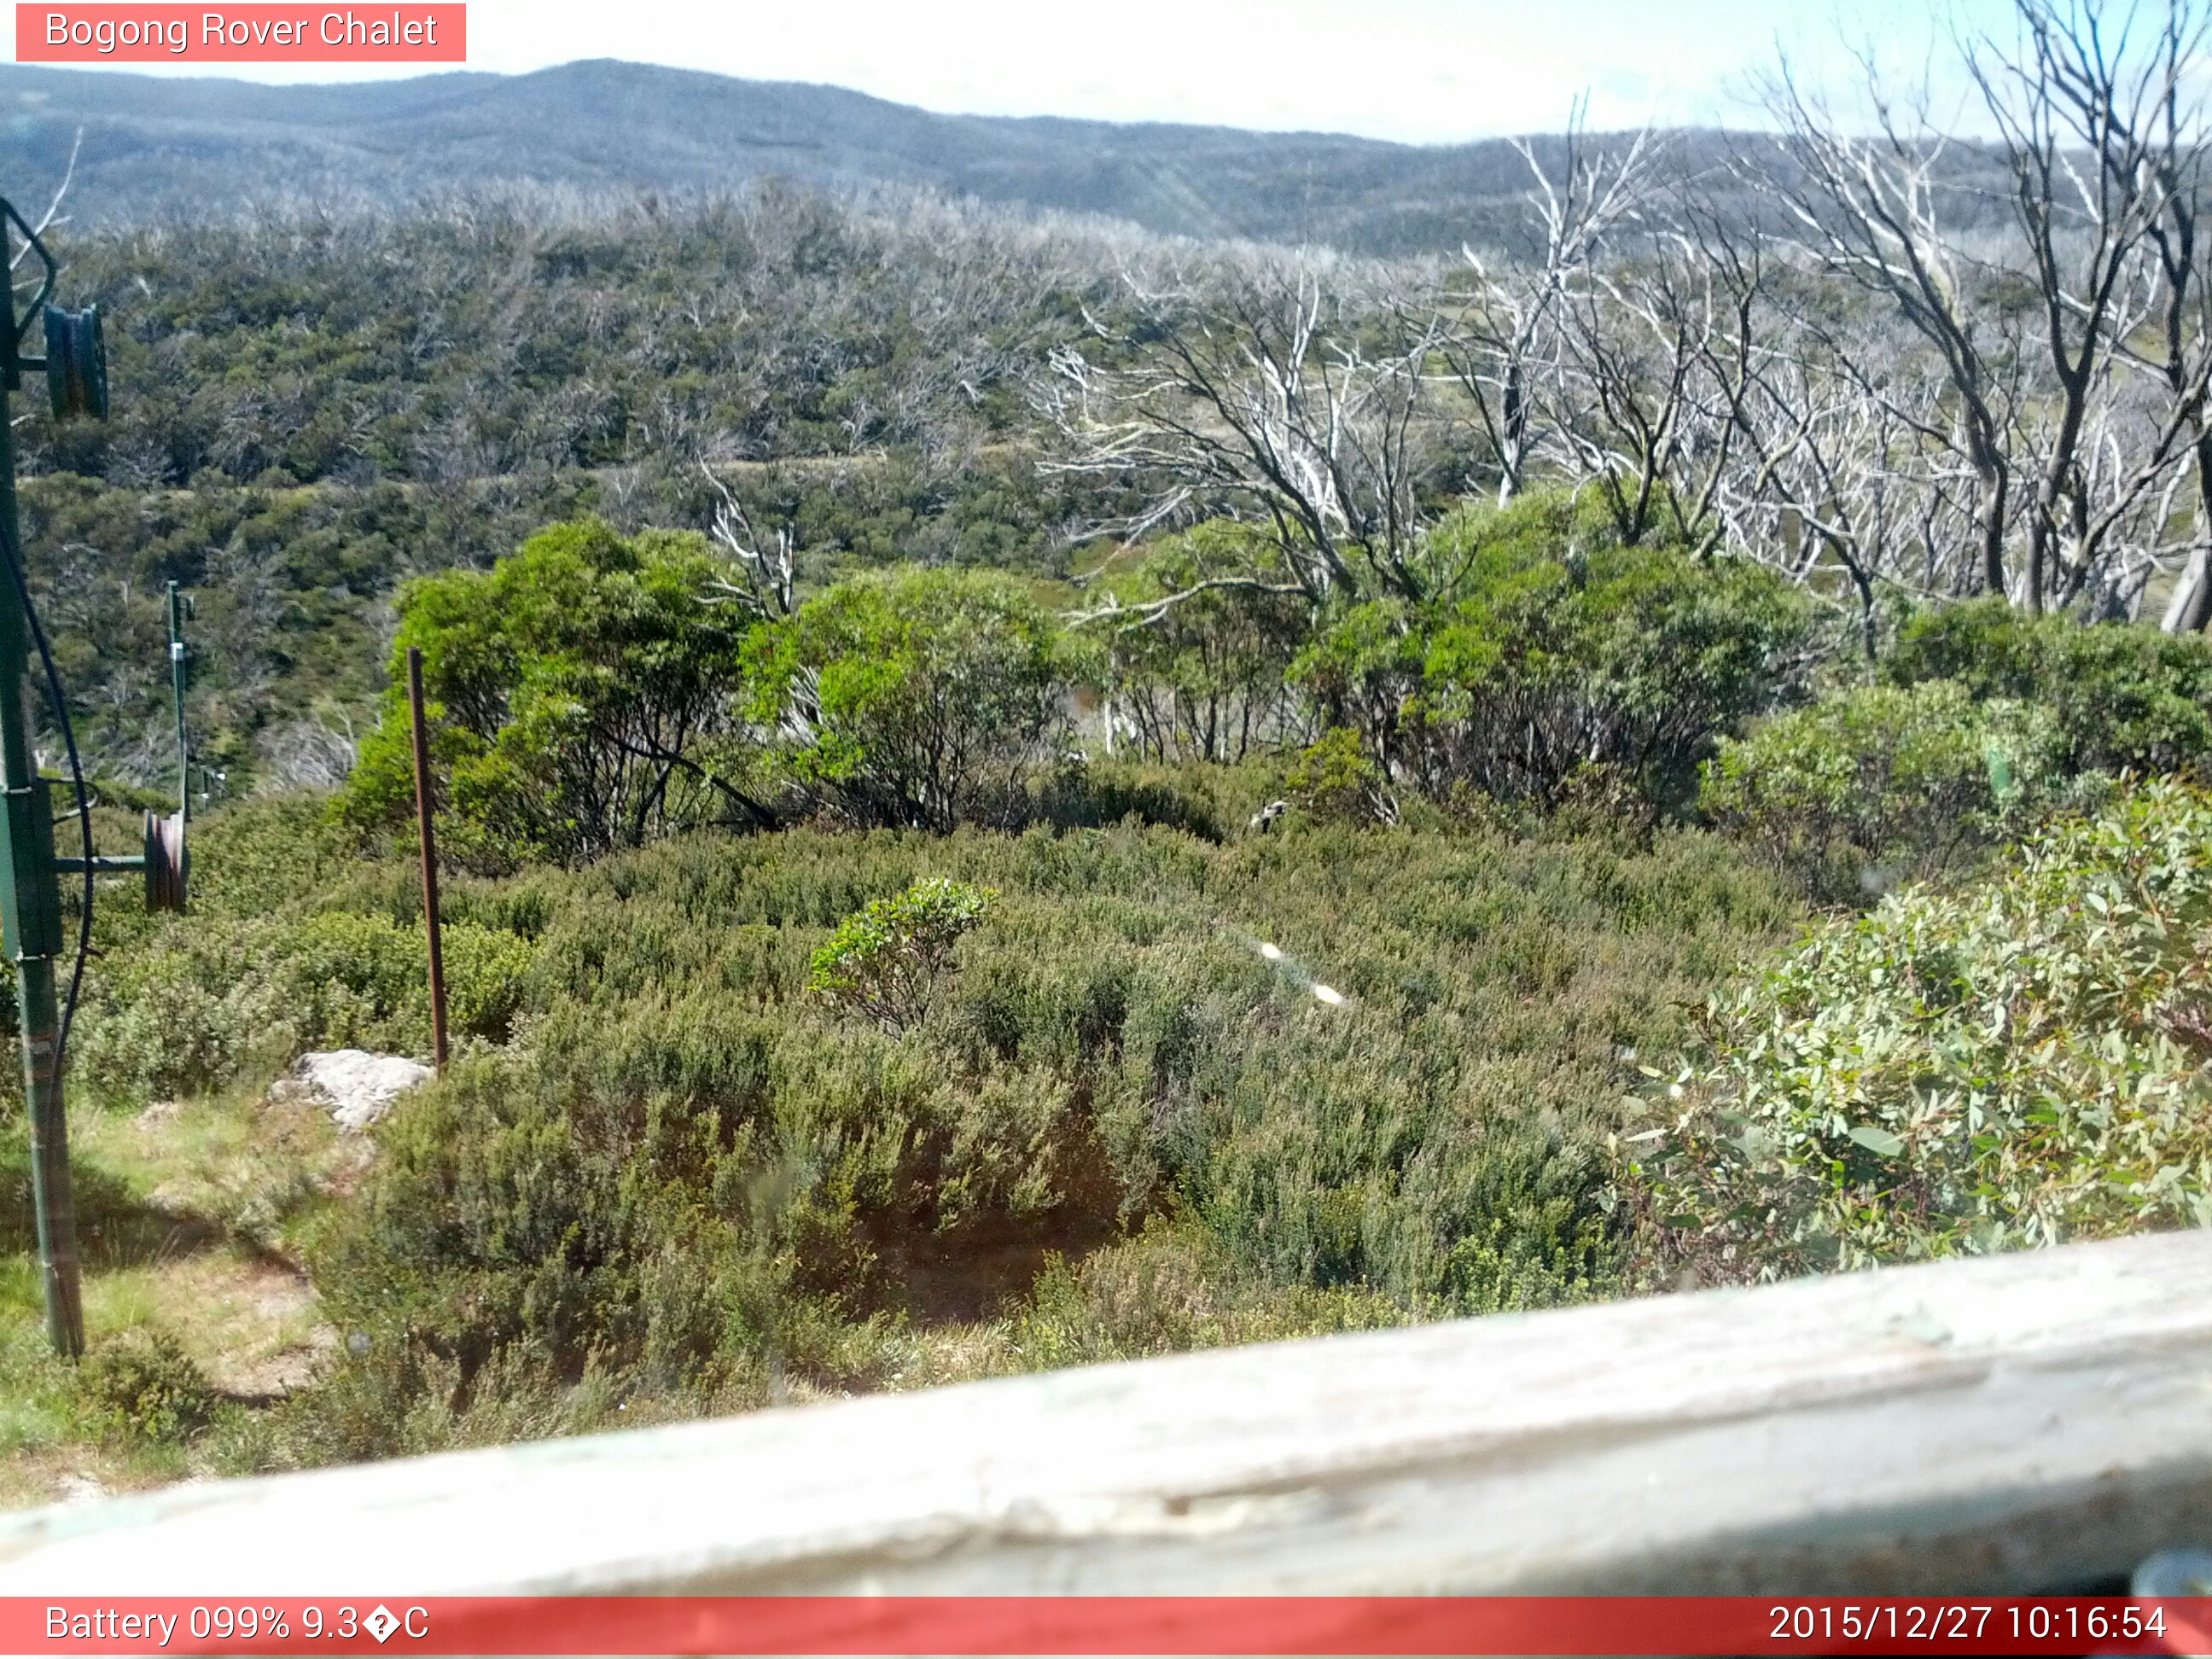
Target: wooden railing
(2037, 1421)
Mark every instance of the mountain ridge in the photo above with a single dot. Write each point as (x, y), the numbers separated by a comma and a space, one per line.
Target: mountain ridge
(157, 148)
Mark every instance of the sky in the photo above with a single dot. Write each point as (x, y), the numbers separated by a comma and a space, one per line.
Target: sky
(1419, 71)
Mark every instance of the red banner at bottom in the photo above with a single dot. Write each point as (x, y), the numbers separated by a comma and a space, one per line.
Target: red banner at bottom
(1110, 1624)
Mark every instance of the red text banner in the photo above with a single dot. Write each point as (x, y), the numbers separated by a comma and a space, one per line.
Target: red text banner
(1130, 1624)
(127, 33)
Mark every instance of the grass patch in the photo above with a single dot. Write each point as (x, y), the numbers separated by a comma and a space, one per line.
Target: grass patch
(197, 1317)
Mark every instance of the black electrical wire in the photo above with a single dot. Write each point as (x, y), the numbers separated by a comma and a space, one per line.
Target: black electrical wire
(13, 555)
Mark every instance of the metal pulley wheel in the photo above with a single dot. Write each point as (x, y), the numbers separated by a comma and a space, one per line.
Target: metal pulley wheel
(77, 363)
(165, 861)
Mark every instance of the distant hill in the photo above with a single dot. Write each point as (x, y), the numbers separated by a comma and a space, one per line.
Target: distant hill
(154, 148)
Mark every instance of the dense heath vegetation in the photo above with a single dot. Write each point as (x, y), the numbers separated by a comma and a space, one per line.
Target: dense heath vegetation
(1016, 794)
(663, 1164)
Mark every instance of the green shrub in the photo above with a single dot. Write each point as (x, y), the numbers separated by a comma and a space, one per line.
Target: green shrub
(1884, 783)
(1334, 778)
(180, 1014)
(2124, 697)
(1211, 802)
(347, 976)
(1171, 1289)
(919, 698)
(1549, 648)
(260, 970)
(889, 961)
(1205, 678)
(259, 857)
(1638, 658)
(356, 981)
(1985, 644)
(2020, 1063)
(487, 979)
(1360, 670)
(143, 1383)
(584, 696)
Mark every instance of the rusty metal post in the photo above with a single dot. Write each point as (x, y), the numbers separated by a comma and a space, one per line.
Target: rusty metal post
(430, 857)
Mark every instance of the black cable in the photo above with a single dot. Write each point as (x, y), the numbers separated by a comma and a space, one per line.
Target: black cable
(14, 554)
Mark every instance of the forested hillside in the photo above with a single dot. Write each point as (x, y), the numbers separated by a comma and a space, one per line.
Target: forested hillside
(305, 417)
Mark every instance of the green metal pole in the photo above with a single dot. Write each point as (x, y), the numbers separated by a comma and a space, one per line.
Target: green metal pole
(31, 925)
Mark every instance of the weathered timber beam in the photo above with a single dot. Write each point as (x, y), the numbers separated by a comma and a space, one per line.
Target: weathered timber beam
(2033, 1421)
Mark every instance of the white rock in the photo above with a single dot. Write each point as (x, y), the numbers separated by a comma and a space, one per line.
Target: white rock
(358, 1087)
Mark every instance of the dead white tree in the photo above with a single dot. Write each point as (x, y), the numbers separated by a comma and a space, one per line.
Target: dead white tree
(1878, 212)
(763, 573)
(53, 216)
(316, 751)
(1502, 344)
(2159, 131)
(1844, 473)
(1279, 392)
(2090, 113)
(1662, 344)
(19, 282)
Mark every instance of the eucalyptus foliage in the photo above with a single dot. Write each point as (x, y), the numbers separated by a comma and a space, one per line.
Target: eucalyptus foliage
(919, 698)
(584, 697)
(2121, 698)
(1552, 649)
(2019, 1062)
(1880, 783)
(1195, 643)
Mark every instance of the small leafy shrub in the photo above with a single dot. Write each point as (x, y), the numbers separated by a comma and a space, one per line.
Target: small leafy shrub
(888, 961)
(186, 1005)
(1598, 799)
(347, 974)
(143, 1383)
(2124, 697)
(487, 979)
(180, 1017)
(1884, 782)
(1170, 1289)
(1090, 791)
(2020, 1063)
(1334, 778)
(349, 979)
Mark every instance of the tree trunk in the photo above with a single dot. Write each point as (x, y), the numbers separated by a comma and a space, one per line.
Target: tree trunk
(1515, 436)
(2191, 610)
(2191, 605)
(1992, 528)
